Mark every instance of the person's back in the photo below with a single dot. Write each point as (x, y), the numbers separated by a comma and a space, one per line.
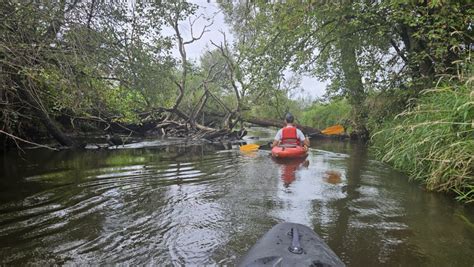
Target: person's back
(290, 135)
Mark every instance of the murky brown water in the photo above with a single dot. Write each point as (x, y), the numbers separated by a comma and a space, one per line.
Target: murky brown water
(169, 203)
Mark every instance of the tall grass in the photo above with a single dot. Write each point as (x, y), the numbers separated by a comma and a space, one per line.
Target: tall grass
(434, 140)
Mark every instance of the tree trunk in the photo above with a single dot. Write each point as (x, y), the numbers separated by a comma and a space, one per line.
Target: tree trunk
(51, 127)
(420, 68)
(353, 84)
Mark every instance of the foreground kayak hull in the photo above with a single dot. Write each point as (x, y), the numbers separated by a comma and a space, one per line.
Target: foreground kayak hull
(274, 248)
(282, 152)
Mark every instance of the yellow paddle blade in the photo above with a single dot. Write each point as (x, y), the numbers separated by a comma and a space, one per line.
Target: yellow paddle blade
(336, 129)
(249, 147)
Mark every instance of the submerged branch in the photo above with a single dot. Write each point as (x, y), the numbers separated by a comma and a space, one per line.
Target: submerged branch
(26, 141)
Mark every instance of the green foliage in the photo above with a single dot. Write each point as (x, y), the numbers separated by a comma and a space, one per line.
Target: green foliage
(359, 46)
(277, 108)
(434, 140)
(437, 34)
(321, 115)
(125, 104)
(110, 64)
(276, 102)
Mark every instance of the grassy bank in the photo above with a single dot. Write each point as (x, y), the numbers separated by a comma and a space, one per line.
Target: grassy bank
(434, 140)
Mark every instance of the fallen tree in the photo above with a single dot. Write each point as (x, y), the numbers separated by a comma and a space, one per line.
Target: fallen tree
(276, 123)
(308, 131)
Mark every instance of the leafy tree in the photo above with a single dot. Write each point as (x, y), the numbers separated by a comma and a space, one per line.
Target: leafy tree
(61, 58)
(359, 46)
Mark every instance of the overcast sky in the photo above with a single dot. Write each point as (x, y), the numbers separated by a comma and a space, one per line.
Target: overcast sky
(310, 86)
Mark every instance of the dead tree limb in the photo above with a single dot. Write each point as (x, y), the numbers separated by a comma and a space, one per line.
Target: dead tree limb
(202, 102)
(276, 123)
(173, 20)
(26, 141)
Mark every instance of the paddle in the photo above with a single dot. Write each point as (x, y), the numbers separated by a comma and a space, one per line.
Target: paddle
(333, 130)
(254, 147)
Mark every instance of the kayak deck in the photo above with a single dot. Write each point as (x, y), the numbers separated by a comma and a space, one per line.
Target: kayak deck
(289, 152)
(290, 244)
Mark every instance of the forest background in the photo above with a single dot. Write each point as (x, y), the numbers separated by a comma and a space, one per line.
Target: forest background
(399, 74)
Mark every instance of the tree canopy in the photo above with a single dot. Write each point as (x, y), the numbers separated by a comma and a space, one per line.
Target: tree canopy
(70, 66)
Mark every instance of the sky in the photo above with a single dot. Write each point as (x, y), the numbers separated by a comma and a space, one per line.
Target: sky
(310, 86)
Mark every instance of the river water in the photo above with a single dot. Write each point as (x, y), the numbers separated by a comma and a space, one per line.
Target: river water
(169, 202)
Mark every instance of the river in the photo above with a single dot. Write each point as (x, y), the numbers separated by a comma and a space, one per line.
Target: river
(170, 202)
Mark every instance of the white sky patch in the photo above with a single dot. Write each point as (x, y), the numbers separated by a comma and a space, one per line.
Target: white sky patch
(214, 32)
(313, 86)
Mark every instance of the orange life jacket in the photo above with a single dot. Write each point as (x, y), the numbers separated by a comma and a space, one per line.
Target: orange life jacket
(289, 136)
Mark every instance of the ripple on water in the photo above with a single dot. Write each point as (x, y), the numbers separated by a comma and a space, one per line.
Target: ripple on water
(117, 196)
(142, 207)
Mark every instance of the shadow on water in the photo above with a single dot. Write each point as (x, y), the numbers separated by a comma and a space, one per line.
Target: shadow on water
(171, 203)
(382, 217)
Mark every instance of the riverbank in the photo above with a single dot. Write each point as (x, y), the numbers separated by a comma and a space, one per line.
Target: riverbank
(429, 137)
(433, 142)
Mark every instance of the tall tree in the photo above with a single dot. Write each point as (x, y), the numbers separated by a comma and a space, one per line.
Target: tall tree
(63, 58)
(359, 46)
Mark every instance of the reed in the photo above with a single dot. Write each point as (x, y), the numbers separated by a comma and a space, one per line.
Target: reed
(433, 141)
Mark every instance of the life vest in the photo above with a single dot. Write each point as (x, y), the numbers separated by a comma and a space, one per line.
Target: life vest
(289, 136)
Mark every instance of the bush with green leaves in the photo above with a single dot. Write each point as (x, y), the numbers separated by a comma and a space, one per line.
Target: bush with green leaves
(322, 115)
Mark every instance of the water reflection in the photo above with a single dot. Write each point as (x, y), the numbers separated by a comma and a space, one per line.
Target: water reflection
(189, 204)
(332, 177)
(288, 168)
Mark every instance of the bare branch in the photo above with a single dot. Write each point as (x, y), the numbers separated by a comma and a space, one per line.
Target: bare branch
(202, 101)
(26, 141)
(224, 52)
(204, 30)
(399, 52)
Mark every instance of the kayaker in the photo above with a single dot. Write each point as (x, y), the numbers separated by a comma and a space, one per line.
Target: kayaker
(290, 135)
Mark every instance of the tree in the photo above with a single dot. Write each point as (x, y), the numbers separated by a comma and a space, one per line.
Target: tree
(69, 58)
(359, 46)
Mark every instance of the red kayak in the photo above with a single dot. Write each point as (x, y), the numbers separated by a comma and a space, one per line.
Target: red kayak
(287, 152)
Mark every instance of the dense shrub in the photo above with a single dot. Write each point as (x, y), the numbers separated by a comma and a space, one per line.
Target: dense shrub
(322, 115)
